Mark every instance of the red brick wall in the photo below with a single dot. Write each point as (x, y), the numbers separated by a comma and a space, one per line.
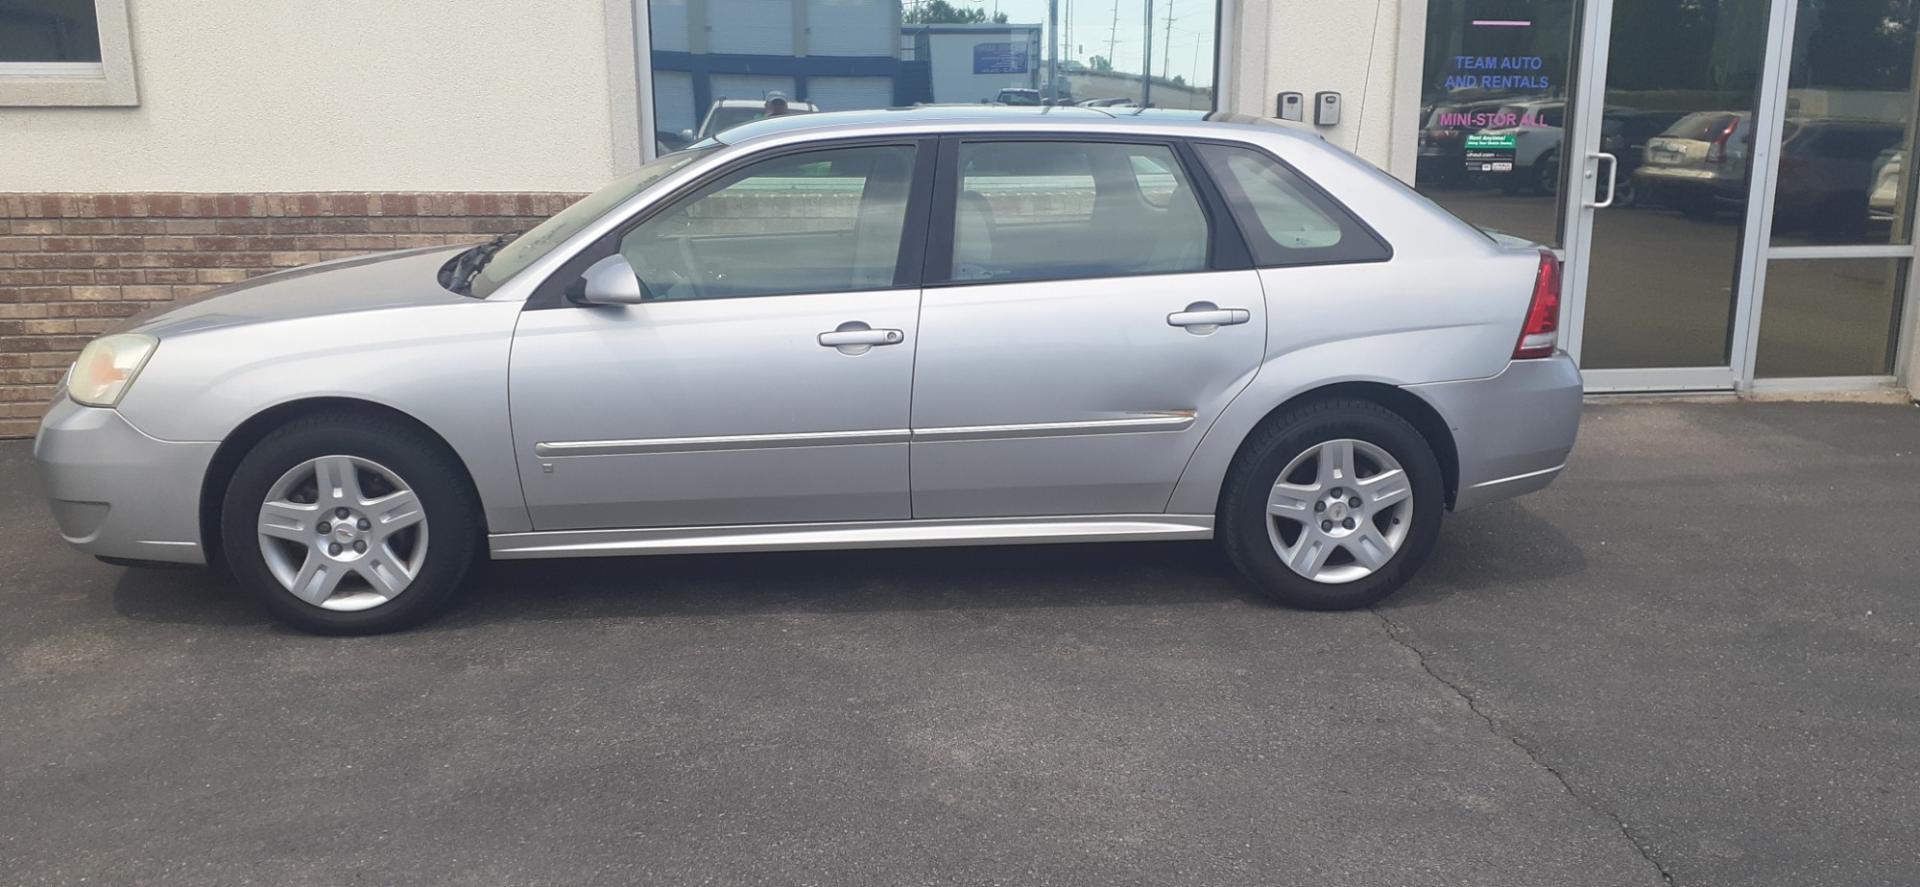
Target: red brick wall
(72, 265)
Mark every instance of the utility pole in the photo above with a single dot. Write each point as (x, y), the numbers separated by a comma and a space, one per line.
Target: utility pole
(1113, 33)
(1146, 58)
(1166, 46)
(1053, 51)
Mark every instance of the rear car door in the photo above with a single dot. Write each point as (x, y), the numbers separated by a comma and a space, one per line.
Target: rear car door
(766, 376)
(1090, 310)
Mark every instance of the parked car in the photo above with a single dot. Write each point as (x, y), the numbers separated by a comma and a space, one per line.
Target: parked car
(1698, 162)
(807, 334)
(1536, 128)
(1828, 169)
(1624, 133)
(1443, 139)
(1017, 96)
(725, 114)
(1884, 202)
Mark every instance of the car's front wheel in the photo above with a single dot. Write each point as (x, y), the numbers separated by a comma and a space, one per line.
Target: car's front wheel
(1333, 505)
(344, 524)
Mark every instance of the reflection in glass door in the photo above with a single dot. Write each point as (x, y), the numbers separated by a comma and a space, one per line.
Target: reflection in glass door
(1675, 121)
(1494, 111)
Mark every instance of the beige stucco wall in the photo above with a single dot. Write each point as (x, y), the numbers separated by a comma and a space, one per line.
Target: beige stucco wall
(1367, 50)
(441, 95)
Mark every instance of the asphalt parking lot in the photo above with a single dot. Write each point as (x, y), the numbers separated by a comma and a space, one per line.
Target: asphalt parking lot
(1692, 661)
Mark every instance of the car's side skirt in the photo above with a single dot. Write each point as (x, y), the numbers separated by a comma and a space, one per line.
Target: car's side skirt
(853, 534)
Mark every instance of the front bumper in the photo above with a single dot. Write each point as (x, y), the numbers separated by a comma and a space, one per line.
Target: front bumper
(117, 493)
(1512, 431)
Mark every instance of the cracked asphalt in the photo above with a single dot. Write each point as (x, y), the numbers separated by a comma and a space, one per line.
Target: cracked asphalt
(1692, 661)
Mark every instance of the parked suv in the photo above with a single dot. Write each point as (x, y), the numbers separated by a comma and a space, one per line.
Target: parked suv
(946, 326)
(1697, 163)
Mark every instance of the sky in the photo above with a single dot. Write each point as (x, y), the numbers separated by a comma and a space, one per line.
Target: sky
(1087, 26)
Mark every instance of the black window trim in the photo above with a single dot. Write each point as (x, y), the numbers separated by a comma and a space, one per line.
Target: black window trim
(1227, 249)
(1322, 200)
(909, 259)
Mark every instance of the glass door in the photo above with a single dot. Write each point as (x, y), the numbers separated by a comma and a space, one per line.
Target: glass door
(1665, 148)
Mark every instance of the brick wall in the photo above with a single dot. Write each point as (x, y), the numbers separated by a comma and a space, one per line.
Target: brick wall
(73, 265)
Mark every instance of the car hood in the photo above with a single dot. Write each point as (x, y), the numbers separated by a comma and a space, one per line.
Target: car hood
(361, 283)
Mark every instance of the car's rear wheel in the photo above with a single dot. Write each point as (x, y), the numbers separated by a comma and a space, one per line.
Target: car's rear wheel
(1333, 505)
(347, 524)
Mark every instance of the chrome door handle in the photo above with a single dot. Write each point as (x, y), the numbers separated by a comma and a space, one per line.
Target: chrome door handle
(1613, 178)
(840, 338)
(855, 337)
(1205, 314)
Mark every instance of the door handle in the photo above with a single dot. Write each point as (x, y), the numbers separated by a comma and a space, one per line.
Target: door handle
(854, 337)
(1205, 316)
(1613, 177)
(838, 338)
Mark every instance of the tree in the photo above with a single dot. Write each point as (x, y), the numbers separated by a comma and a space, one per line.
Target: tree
(1100, 63)
(940, 12)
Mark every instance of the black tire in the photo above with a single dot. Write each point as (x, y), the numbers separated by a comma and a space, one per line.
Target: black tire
(452, 513)
(1545, 173)
(1243, 518)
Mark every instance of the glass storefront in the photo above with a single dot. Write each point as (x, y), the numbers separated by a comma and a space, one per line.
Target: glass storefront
(720, 63)
(1670, 263)
(1845, 184)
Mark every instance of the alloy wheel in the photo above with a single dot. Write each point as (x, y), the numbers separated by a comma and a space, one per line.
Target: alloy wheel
(1339, 511)
(343, 533)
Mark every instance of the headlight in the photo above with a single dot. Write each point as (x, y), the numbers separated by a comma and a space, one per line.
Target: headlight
(106, 367)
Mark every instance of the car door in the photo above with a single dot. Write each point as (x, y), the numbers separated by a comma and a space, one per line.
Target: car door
(766, 375)
(1090, 310)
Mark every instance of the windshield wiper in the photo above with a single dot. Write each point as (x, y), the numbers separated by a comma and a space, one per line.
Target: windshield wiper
(458, 275)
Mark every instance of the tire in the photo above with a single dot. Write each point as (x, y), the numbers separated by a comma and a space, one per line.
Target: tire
(1376, 435)
(1545, 173)
(418, 565)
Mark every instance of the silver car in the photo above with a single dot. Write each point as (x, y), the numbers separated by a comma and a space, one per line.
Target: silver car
(952, 326)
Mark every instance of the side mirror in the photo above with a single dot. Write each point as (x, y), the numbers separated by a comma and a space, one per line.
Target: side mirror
(687, 135)
(610, 281)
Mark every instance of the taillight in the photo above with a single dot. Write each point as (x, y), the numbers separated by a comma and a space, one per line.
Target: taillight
(1717, 152)
(1541, 333)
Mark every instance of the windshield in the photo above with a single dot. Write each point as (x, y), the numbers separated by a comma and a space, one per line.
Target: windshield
(724, 119)
(1019, 97)
(529, 247)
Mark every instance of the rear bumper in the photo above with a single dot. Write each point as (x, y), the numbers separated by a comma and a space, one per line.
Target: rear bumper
(1512, 431)
(117, 493)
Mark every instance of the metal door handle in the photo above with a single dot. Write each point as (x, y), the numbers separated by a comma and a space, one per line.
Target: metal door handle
(1195, 316)
(1613, 177)
(842, 338)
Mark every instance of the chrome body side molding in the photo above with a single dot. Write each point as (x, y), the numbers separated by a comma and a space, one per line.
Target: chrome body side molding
(1156, 420)
(853, 534)
(721, 442)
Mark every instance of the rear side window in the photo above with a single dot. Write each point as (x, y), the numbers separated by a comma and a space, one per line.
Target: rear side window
(1057, 210)
(1286, 220)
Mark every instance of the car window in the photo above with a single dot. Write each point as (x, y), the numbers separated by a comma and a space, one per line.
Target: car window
(815, 222)
(1052, 210)
(1286, 220)
(527, 248)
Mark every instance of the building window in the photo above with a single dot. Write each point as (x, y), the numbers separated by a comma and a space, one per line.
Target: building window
(720, 63)
(65, 53)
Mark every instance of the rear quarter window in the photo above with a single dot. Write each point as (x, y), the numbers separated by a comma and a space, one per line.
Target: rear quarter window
(1286, 219)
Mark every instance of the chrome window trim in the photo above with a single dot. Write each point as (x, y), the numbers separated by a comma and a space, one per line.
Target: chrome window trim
(522, 285)
(1142, 422)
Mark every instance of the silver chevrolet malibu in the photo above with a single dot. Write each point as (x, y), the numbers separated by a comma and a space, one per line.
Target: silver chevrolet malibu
(943, 326)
